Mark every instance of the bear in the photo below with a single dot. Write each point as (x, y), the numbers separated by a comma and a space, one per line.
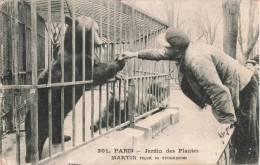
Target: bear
(101, 73)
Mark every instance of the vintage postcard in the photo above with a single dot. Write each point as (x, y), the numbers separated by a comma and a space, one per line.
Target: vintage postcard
(129, 82)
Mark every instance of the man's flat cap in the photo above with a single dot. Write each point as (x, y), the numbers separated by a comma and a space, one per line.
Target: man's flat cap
(174, 37)
(251, 61)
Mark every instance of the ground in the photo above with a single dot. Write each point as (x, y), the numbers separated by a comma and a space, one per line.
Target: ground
(196, 133)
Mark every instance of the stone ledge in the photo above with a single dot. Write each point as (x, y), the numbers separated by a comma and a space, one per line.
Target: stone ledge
(157, 122)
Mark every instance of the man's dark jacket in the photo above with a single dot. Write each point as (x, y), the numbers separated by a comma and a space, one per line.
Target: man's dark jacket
(208, 76)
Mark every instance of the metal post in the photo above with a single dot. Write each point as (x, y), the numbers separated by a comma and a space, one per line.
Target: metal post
(83, 75)
(100, 54)
(73, 73)
(62, 73)
(108, 52)
(143, 68)
(92, 71)
(131, 102)
(33, 92)
(131, 85)
(1, 110)
(114, 50)
(146, 82)
(16, 80)
(138, 65)
(49, 80)
(120, 51)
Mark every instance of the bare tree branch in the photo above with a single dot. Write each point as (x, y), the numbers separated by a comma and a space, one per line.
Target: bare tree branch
(205, 27)
(200, 37)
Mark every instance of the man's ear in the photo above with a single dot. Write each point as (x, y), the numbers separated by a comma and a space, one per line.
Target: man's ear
(68, 21)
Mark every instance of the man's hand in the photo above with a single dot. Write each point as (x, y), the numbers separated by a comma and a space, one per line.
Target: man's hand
(223, 129)
(128, 55)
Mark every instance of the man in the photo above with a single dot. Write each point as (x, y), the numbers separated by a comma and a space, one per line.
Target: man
(250, 64)
(209, 76)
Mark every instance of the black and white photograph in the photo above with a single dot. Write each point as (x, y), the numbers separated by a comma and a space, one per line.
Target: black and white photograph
(129, 82)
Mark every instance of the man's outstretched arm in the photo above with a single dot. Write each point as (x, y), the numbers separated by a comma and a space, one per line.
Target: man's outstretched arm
(148, 54)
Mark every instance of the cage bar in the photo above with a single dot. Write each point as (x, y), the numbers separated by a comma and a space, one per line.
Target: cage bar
(62, 73)
(73, 73)
(16, 80)
(108, 50)
(49, 79)
(92, 71)
(120, 52)
(114, 51)
(83, 74)
(33, 91)
(100, 53)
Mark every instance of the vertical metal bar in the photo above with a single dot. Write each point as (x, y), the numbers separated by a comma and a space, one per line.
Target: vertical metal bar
(2, 57)
(100, 87)
(125, 101)
(115, 19)
(1, 110)
(33, 92)
(100, 111)
(107, 84)
(114, 112)
(145, 32)
(16, 70)
(150, 62)
(73, 73)
(131, 85)
(162, 84)
(92, 70)
(49, 79)
(147, 90)
(100, 54)
(169, 83)
(17, 126)
(83, 74)
(131, 102)
(143, 62)
(62, 72)
(124, 48)
(153, 62)
(107, 105)
(114, 103)
(158, 65)
(120, 84)
(140, 31)
(138, 62)
(120, 51)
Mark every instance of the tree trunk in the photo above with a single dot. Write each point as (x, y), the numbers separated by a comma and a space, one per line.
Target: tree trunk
(170, 12)
(250, 36)
(231, 9)
(252, 43)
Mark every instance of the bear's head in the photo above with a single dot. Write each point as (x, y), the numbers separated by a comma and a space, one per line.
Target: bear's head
(79, 24)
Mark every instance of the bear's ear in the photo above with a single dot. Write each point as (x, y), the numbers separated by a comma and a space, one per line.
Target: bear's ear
(68, 21)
